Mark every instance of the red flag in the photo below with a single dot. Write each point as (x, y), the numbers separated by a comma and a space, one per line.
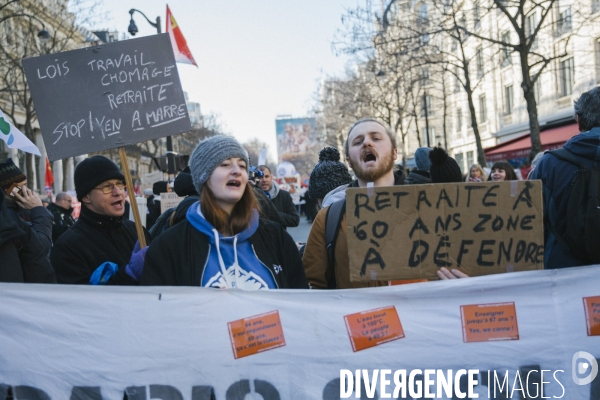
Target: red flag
(49, 175)
(180, 47)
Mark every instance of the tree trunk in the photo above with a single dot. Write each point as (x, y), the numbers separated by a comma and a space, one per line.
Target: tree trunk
(480, 153)
(534, 124)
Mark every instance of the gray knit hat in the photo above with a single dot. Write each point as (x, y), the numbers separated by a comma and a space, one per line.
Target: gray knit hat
(328, 174)
(210, 153)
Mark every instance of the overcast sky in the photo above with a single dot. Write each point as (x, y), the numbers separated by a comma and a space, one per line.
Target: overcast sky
(257, 59)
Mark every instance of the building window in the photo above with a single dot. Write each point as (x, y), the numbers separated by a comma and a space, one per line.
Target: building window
(476, 15)
(567, 76)
(564, 23)
(479, 61)
(470, 159)
(423, 15)
(457, 83)
(508, 100)
(427, 105)
(482, 109)
(459, 160)
(459, 121)
(597, 51)
(424, 72)
(505, 54)
(595, 6)
(530, 26)
(537, 90)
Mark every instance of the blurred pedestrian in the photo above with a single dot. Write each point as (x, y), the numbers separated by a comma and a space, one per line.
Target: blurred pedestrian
(61, 211)
(502, 171)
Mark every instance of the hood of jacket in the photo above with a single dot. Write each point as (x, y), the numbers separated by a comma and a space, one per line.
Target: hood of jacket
(586, 144)
(196, 218)
(274, 191)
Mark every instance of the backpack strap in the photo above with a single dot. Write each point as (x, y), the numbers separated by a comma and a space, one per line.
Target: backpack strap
(333, 221)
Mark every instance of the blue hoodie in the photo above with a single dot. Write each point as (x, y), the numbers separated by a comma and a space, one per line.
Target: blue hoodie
(557, 176)
(232, 262)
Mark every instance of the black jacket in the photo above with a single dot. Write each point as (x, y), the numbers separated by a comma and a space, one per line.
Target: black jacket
(93, 240)
(417, 177)
(62, 220)
(287, 210)
(40, 221)
(22, 256)
(178, 256)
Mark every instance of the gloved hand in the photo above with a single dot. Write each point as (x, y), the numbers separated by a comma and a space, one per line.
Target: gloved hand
(136, 263)
(103, 273)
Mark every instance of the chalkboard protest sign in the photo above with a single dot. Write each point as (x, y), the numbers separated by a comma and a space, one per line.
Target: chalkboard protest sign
(409, 232)
(107, 96)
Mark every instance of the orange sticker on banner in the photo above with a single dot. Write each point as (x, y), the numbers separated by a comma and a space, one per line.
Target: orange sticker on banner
(488, 322)
(592, 315)
(395, 282)
(256, 334)
(374, 327)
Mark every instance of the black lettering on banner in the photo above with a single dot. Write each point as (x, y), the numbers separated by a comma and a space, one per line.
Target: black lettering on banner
(524, 196)
(383, 203)
(483, 219)
(440, 223)
(463, 250)
(484, 252)
(371, 258)
(380, 229)
(416, 259)
(443, 196)
(440, 259)
(30, 393)
(489, 193)
(165, 392)
(86, 393)
(358, 205)
(331, 391)
(360, 233)
(502, 249)
(512, 223)
(469, 189)
(419, 224)
(456, 219)
(520, 251)
(526, 221)
(497, 223)
(239, 390)
(398, 195)
(422, 197)
(203, 393)
(4, 391)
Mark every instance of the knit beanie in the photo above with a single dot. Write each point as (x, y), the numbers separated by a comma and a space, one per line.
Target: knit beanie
(210, 153)
(328, 174)
(444, 168)
(184, 185)
(422, 158)
(159, 187)
(9, 174)
(93, 171)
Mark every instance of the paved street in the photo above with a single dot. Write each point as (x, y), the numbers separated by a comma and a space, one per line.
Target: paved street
(300, 233)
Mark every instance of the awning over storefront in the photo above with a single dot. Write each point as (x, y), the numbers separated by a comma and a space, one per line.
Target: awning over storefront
(520, 147)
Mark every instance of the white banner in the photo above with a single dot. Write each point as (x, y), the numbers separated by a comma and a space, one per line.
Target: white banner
(513, 330)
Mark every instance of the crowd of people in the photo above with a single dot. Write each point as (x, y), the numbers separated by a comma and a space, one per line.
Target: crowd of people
(230, 231)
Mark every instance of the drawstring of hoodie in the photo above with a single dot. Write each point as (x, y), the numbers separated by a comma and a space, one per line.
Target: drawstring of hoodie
(222, 263)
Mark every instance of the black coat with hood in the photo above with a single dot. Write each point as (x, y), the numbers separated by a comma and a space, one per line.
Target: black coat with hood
(23, 258)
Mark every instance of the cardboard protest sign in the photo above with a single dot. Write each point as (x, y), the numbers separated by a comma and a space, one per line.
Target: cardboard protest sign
(107, 96)
(169, 200)
(409, 232)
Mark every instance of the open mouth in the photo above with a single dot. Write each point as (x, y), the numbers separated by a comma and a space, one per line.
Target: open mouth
(369, 157)
(117, 203)
(234, 183)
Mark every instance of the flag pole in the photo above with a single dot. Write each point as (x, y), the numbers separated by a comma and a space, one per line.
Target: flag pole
(136, 212)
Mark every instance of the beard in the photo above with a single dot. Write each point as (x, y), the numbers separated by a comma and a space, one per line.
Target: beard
(387, 163)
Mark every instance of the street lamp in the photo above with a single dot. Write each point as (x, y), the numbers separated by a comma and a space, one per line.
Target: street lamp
(133, 29)
(44, 36)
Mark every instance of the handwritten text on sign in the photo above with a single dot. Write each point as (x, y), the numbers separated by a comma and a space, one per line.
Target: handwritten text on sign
(256, 334)
(374, 327)
(409, 232)
(107, 96)
(487, 322)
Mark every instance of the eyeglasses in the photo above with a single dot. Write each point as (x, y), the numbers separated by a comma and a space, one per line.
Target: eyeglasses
(109, 187)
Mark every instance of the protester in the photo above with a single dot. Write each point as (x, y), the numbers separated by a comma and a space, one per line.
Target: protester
(534, 163)
(328, 174)
(476, 174)
(99, 248)
(370, 151)
(61, 211)
(223, 243)
(444, 168)
(22, 256)
(559, 178)
(281, 199)
(502, 171)
(420, 175)
(26, 203)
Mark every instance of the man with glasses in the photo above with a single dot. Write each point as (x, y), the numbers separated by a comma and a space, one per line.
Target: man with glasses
(98, 248)
(61, 211)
